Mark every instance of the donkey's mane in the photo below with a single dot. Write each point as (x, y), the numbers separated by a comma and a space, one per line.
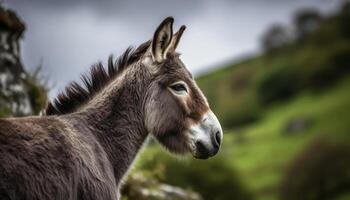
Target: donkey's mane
(75, 94)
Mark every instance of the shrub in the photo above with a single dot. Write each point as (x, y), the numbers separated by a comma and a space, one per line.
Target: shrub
(321, 171)
(275, 37)
(214, 179)
(306, 21)
(278, 85)
(345, 18)
(37, 95)
(320, 69)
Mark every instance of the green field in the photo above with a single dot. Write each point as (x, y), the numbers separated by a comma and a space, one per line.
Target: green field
(265, 150)
(304, 84)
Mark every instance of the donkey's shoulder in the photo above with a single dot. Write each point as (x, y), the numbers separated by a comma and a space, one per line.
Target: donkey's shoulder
(27, 130)
(29, 125)
(34, 141)
(35, 159)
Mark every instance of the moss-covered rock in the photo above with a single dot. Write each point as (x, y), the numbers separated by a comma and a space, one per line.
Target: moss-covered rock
(138, 187)
(20, 92)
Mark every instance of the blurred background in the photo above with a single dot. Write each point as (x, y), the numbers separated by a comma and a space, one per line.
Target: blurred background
(276, 73)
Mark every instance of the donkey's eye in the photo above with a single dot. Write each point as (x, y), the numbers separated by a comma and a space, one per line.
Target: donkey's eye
(179, 88)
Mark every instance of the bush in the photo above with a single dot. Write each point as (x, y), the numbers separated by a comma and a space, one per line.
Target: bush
(37, 95)
(37, 90)
(281, 84)
(306, 21)
(275, 37)
(345, 18)
(321, 171)
(320, 69)
(214, 179)
(5, 111)
(340, 60)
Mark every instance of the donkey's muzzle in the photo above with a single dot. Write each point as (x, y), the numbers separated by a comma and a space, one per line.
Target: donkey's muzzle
(205, 151)
(207, 136)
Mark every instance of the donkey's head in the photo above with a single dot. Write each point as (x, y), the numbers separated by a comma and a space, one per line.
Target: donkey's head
(176, 112)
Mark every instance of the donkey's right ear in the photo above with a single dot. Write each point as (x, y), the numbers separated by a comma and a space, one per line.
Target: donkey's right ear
(162, 40)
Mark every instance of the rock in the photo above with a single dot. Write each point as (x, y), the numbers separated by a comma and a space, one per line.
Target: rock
(18, 90)
(297, 125)
(139, 187)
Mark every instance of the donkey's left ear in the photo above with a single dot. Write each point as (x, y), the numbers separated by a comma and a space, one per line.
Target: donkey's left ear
(162, 39)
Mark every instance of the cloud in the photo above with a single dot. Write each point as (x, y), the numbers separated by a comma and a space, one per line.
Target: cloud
(69, 36)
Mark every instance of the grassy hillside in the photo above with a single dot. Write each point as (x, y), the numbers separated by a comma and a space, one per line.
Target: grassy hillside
(262, 151)
(286, 117)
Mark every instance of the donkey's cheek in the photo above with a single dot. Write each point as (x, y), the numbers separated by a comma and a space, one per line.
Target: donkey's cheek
(167, 124)
(175, 142)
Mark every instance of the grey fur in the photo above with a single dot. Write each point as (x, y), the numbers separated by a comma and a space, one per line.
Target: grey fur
(83, 150)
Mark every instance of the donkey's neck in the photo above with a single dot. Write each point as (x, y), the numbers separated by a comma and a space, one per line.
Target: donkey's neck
(116, 117)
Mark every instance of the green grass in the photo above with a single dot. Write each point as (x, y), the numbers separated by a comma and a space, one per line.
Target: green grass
(265, 150)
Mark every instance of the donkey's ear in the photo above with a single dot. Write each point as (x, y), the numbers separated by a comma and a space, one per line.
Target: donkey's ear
(162, 40)
(176, 39)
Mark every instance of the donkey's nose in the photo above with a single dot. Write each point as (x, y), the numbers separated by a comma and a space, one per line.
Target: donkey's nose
(217, 139)
(208, 136)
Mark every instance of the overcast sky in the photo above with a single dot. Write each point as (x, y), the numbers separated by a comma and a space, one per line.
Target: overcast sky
(67, 36)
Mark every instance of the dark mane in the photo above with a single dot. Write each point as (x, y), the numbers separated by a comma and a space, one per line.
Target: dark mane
(75, 95)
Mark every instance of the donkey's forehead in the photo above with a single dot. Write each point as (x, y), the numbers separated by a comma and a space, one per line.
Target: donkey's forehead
(176, 67)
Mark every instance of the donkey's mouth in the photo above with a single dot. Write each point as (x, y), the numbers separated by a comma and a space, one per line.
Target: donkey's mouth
(201, 157)
(204, 152)
(201, 151)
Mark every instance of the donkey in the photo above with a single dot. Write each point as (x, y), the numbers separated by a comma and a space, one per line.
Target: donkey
(85, 141)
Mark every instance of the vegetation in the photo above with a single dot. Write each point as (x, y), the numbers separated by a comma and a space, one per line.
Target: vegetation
(37, 90)
(275, 108)
(312, 176)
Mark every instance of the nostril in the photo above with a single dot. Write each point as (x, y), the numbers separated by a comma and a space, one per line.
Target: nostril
(218, 137)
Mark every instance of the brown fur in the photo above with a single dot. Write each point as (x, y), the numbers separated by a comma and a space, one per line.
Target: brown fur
(87, 139)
